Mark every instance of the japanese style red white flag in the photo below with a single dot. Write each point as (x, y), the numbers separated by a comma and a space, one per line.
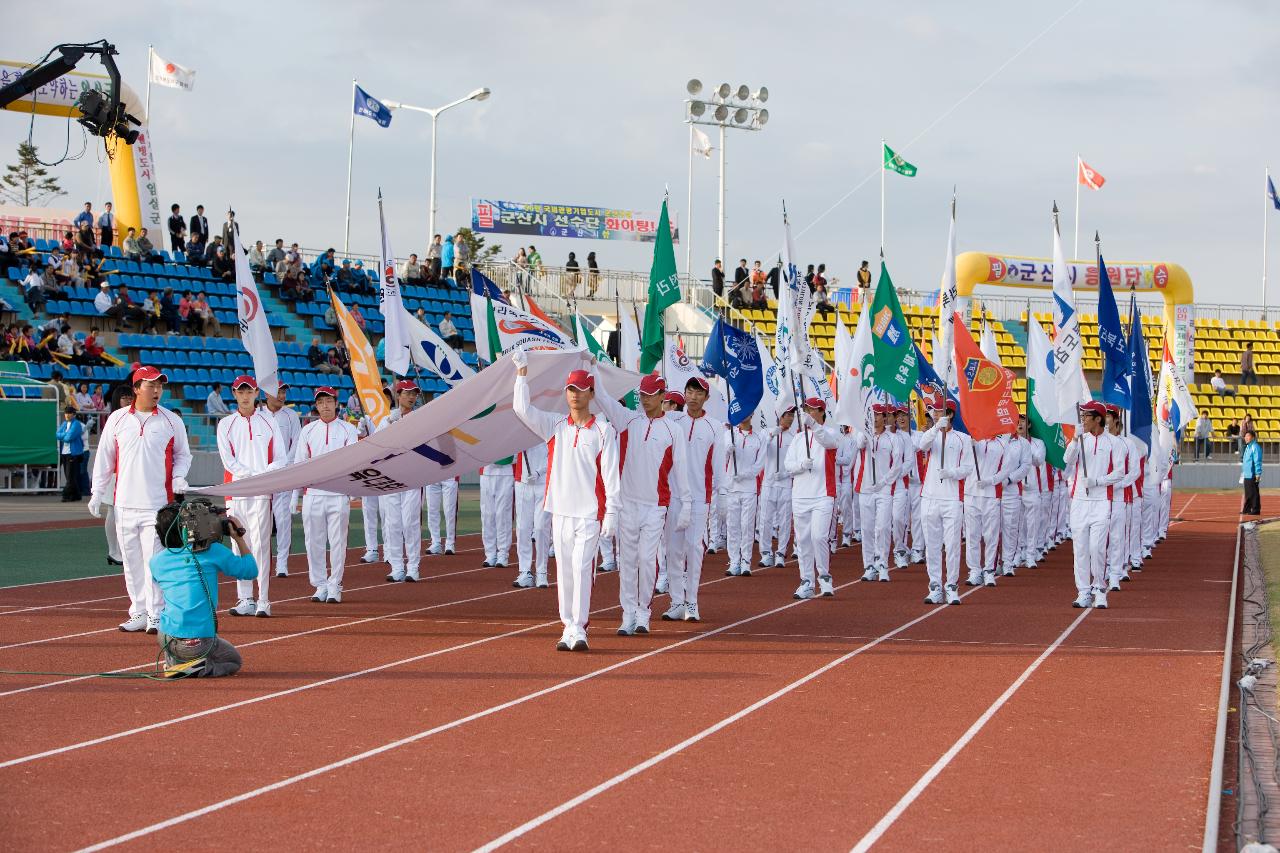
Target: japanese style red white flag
(1088, 177)
(255, 334)
(171, 74)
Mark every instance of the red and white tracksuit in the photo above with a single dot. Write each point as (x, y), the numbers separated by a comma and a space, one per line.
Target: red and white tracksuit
(1137, 509)
(846, 502)
(773, 513)
(326, 516)
(948, 461)
(1128, 459)
(442, 500)
(1017, 464)
(497, 497)
(982, 506)
(401, 514)
(1099, 458)
(743, 455)
(368, 503)
(1036, 505)
(878, 460)
(811, 461)
(138, 456)
(282, 503)
(1158, 463)
(582, 488)
(533, 524)
(652, 475)
(900, 493)
(686, 548)
(248, 446)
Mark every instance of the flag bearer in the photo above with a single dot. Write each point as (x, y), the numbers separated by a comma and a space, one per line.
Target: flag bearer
(326, 516)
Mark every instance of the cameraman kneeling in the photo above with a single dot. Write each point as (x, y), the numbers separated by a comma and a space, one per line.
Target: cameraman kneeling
(186, 570)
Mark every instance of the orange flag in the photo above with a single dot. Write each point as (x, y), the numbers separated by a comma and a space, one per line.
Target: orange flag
(364, 363)
(986, 389)
(1088, 177)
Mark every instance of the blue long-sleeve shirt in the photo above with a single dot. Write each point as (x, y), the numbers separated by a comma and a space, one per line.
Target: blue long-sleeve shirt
(1251, 461)
(187, 612)
(70, 437)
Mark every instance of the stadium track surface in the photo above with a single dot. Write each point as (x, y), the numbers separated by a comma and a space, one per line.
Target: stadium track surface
(439, 716)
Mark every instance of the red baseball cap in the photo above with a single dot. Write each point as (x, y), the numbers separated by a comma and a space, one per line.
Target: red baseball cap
(145, 373)
(816, 403)
(1112, 409)
(881, 408)
(324, 389)
(673, 397)
(700, 382)
(951, 405)
(242, 381)
(653, 383)
(1093, 407)
(788, 410)
(405, 385)
(283, 384)
(582, 380)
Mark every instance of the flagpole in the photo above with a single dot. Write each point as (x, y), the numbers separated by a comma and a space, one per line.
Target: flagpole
(882, 199)
(688, 213)
(151, 58)
(1075, 250)
(351, 141)
(1266, 200)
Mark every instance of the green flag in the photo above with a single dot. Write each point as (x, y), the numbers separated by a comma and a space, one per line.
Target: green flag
(893, 353)
(664, 291)
(585, 338)
(1055, 442)
(894, 163)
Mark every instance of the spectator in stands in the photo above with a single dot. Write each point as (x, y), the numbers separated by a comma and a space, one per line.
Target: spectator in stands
(571, 276)
(363, 282)
(209, 322)
(757, 274)
(274, 257)
(1219, 385)
(177, 229)
(1248, 376)
(222, 266)
(343, 359)
(7, 257)
(195, 250)
(103, 301)
(68, 243)
(67, 272)
(169, 311)
(211, 251)
(70, 437)
(1233, 436)
(864, 283)
(84, 217)
(421, 316)
(257, 260)
(462, 275)
(184, 309)
(84, 401)
(717, 278)
(358, 316)
(93, 273)
(433, 259)
(821, 297)
(1204, 436)
(741, 274)
(66, 393)
(535, 260)
(231, 232)
(1251, 473)
(93, 351)
(147, 250)
(323, 268)
(85, 241)
(461, 251)
(449, 332)
(107, 225)
(213, 404)
(521, 262)
(20, 244)
(121, 310)
(67, 346)
(200, 225)
(346, 279)
(318, 358)
(151, 312)
(97, 402)
(808, 277)
(739, 293)
(131, 249)
(593, 274)
(33, 290)
(758, 297)
(411, 272)
(51, 281)
(774, 278)
(1246, 424)
(289, 272)
(447, 257)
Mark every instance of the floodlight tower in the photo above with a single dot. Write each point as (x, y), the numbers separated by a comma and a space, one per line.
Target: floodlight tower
(740, 109)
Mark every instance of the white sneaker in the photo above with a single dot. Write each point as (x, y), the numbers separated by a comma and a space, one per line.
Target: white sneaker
(1114, 586)
(846, 542)
(628, 626)
(675, 613)
(606, 568)
(663, 586)
(988, 578)
(974, 579)
(335, 594)
(1084, 599)
(745, 568)
(953, 597)
(135, 623)
(321, 595)
(412, 576)
(883, 574)
(244, 607)
(805, 590)
(524, 580)
(435, 551)
(825, 586)
(396, 576)
(691, 613)
(153, 623)
(899, 560)
(1100, 599)
(1008, 571)
(370, 557)
(642, 622)
(541, 582)
(870, 573)
(779, 560)
(580, 642)
(732, 571)
(766, 559)
(566, 640)
(282, 572)
(935, 594)
(264, 609)
(917, 556)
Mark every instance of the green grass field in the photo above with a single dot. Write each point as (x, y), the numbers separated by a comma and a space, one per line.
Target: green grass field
(82, 551)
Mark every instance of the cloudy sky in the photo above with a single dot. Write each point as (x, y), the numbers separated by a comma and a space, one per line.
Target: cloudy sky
(1173, 102)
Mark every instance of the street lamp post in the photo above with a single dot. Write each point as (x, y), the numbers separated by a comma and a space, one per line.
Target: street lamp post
(478, 95)
(740, 109)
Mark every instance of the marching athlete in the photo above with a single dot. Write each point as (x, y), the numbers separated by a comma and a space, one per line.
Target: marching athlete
(1091, 460)
(402, 511)
(144, 449)
(284, 504)
(877, 469)
(582, 490)
(442, 500)
(982, 508)
(369, 503)
(774, 515)
(1017, 464)
(249, 442)
(497, 495)
(743, 453)
(811, 461)
(685, 548)
(948, 462)
(672, 401)
(1128, 459)
(533, 525)
(1035, 499)
(326, 516)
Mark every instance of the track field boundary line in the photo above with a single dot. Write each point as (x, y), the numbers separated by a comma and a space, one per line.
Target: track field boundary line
(1213, 807)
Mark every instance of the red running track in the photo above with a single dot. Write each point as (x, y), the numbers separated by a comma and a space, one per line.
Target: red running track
(438, 716)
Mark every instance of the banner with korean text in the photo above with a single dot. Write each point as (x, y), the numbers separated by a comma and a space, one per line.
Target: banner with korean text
(491, 216)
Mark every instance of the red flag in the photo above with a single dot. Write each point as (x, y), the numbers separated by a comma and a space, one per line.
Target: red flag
(540, 314)
(1088, 176)
(986, 389)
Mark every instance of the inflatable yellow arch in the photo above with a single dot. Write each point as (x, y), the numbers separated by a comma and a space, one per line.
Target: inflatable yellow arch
(132, 167)
(1168, 280)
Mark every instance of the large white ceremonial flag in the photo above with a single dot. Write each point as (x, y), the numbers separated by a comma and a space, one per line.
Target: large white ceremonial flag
(396, 340)
(430, 351)
(1068, 372)
(944, 358)
(255, 333)
(856, 375)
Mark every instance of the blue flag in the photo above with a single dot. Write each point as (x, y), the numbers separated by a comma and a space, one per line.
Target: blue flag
(1140, 419)
(733, 354)
(934, 393)
(1117, 365)
(483, 286)
(370, 107)
(1271, 191)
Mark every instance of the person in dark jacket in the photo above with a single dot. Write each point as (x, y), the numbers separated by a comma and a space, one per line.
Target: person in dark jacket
(200, 225)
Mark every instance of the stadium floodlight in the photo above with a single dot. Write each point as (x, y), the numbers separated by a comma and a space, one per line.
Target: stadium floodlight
(740, 115)
(721, 113)
(724, 90)
(743, 92)
(762, 117)
(694, 86)
(697, 108)
(761, 94)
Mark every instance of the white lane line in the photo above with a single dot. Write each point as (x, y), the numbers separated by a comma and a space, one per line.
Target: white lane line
(941, 764)
(444, 727)
(568, 805)
(115, 574)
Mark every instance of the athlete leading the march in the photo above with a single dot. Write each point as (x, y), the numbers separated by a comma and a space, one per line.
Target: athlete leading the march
(948, 462)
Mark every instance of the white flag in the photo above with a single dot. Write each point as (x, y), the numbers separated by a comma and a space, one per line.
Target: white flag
(429, 350)
(1068, 373)
(988, 343)
(630, 321)
(943, 357)
(396, 340)
(857, 375)
(701, 143)
(255, 334)
(1040, 371)
(170, 74)
(678, 369)
(1175, 407)
(776, 398)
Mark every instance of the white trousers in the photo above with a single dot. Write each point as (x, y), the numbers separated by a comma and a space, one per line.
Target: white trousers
(113, 540)
(917, 522)
(1118, 539)
(813, 526)
(442, 498)
(716, 533)
(876, 510)
(136, 533)
(1166, 502)
(1151, 500)
(533, 529)
(774, 517)
(1089, 521)
(1010, 526)
(575, 540)
(255, 515)
(942, 520)
(606, 551)
(981, 532)
(369, 517)
(281, 502)
(640, 526)
(740, 515)
(685, 551)
(846, 506)
(900, 512)
(402, 530)
(1033, 521)
(325, 522)
(1136, 510)
(497, 494)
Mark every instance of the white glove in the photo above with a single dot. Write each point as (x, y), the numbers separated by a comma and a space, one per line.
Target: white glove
(943, 422)
(983, 484)
(1091, 482)
(180, 486)
(609, 526)
(685, 515)
(95, 506)
(520, 358)
(951, 473)
(808, 421)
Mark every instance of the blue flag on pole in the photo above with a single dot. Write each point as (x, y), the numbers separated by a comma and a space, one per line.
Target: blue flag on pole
(1117, 365)
(1140, 376)
(934, 393)
(1271, 191)
(370, 107)
(483, 286)
(733, 354)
